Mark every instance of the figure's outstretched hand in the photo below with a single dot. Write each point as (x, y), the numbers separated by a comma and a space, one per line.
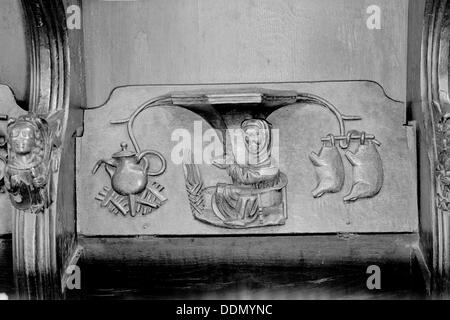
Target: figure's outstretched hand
(222, 162)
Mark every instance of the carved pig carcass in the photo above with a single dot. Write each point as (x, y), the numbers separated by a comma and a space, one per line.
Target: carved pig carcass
(367, 172)
(329, 170)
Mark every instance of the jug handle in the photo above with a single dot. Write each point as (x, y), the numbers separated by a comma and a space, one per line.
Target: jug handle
(147, 163)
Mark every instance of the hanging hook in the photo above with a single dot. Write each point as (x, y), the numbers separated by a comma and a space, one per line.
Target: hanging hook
(332, 140)
(352, 135)
(363, 138)
(348, 138)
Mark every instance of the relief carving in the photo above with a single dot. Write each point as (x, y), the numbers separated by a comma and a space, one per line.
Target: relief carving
(443, 165)
(329, 169)
(257, 195)
(365, 160)
(367, 170)
(26, 168)
(131, 191)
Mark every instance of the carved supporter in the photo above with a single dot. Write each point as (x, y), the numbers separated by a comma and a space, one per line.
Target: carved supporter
(27, 166)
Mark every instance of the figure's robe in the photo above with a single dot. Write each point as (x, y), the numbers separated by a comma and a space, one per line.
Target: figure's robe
(255, 196)
(20, 183)
(238, 203)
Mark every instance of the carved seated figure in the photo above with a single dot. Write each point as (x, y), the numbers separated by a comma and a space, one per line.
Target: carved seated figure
(26, 171)
(257, 184)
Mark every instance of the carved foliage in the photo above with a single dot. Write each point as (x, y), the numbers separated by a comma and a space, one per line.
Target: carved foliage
(443, 165)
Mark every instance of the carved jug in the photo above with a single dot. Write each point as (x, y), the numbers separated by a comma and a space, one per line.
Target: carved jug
(129, 171)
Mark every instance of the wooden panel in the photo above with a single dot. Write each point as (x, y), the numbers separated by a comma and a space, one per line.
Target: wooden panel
(301, 127)
(314, 267)
(14, 56)
(304, 267)
(259, 250)
(223, 41)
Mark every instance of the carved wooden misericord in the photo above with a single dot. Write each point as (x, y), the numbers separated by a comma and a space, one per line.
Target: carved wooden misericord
(256, 195)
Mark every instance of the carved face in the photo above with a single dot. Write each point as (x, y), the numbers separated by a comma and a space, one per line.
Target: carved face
(253, 139)
(257, 137)
(22, 139)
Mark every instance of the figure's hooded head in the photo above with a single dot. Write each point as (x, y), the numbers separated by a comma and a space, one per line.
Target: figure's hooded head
(258, 141)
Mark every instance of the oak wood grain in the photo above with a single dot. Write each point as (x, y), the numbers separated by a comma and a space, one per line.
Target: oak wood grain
(193, 42)
(14, 57)
(287, 267)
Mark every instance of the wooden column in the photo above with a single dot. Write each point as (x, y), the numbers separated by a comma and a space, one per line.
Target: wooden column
(428, 96)
(38, 256)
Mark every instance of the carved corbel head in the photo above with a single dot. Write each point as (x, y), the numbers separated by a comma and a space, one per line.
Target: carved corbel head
(26, 138)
